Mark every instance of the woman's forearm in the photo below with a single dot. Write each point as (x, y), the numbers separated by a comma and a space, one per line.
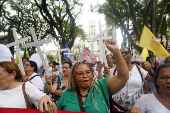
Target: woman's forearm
(121, 66)
(52, 88)
(59, 92)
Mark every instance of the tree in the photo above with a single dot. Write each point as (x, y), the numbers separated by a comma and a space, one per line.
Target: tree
(61, 16)
(61, 25)
(131, 20)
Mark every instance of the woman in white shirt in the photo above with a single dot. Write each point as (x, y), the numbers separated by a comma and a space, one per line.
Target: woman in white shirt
(11, 92)
(31, 70)
(133, 90)
(103, 70)
(158, 102)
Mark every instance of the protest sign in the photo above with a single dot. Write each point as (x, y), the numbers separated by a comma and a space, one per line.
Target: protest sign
(18, 110)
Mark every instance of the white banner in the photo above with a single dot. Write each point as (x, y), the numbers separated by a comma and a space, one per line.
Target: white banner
(5, 53)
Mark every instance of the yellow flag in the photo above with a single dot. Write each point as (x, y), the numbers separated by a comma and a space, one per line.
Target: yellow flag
(149, 42)
(17, 61)
(144, 53)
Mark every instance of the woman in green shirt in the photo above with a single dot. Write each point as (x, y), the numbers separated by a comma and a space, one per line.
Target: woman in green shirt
(86, 95)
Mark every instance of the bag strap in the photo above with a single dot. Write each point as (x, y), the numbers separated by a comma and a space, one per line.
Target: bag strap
(114, 71)
(144, 84)
(35, 76)
(140, 72)
(26, 98)
(59, 81)
(120, 107)
(82, 109)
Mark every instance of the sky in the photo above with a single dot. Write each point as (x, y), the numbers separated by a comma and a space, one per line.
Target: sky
(84, 18)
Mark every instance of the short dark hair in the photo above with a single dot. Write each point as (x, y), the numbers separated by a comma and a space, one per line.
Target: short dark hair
(110, 55)
(69, 63)
(34, 64)
(157, 73)
(25, 58)
(55, 63)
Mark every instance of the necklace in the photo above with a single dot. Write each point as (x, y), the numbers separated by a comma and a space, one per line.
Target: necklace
(84, 95)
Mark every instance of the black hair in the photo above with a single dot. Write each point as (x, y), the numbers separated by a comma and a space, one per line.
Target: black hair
(67, 57)
(34, 64)
(157, 73)
(55, 63)
(91, 64)
(110, 55)
(127, 48)
(69, 63)
(154, 64)
(25, 58)
(148, 58)
(136, 62)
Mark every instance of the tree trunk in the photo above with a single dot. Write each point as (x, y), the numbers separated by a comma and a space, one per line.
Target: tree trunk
(153, 17)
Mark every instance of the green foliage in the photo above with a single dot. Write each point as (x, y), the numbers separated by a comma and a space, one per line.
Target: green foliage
(132, 15)
(51, 19)
(27, 55)
(52, 58)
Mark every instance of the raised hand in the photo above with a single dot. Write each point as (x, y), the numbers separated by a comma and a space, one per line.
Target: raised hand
(111, 44)
(106, 71)
(25, 78)
(147, 66)
(48, 80)
(100, 66)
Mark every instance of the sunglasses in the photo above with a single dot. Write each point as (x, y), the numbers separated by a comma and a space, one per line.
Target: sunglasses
(125, 52)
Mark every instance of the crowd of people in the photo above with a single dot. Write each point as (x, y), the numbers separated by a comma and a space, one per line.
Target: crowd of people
(121, 86)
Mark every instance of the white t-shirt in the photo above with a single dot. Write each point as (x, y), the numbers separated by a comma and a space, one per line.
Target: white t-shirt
(14, 98)
(149, 104)
(37, 81)
(133, 89)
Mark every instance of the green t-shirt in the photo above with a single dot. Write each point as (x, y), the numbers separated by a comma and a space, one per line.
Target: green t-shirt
(69, 102)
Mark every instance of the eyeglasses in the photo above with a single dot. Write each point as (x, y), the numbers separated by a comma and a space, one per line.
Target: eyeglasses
(65, 67)
(125, 52)
(163, 78)
(80, 74)
(26, 65)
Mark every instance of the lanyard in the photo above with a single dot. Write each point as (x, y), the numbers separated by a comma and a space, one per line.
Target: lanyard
(79, 96)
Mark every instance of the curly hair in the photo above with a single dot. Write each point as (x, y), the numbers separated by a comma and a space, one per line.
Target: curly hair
(72, 83)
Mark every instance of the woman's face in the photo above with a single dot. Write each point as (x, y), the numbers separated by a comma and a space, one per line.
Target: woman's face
(110, 60)
(66, 69)
(83, 76)
(126, 55)
(5, 79)
(53, 66)
(163, 81)
(28, 68)
(152, 65)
